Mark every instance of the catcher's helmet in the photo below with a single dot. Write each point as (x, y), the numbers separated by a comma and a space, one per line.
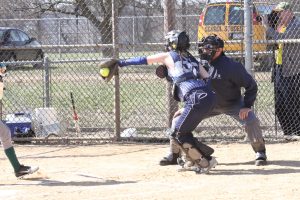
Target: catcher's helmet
(177, 40)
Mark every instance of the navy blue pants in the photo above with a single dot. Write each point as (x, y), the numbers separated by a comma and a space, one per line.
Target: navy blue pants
(198, 104)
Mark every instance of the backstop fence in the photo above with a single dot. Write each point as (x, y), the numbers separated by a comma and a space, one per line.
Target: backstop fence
(52, 50)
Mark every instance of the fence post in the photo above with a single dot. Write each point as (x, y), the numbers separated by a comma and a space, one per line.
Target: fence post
(248, 15)
(59, 37)
(117, 78)
(169, 24)
(133, 28)
(46, 82)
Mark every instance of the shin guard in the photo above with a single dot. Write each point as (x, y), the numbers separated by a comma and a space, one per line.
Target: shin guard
(174, 148)
(203, 148)
(194, 155)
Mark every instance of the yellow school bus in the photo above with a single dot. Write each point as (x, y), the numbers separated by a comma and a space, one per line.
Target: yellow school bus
(226, 19)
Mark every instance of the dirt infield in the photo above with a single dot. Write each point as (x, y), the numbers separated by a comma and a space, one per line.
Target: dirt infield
(131, 171)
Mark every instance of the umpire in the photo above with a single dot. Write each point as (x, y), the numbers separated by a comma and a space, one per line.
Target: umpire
(228, 79)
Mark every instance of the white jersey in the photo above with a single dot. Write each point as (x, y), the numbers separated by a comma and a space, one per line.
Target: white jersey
(185, 74)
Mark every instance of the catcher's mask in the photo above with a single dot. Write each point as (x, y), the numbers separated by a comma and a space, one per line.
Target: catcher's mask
(208, 46)
(177, 41)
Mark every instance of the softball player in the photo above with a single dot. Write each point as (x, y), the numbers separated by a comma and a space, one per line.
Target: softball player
(5, 137)
(189, 87)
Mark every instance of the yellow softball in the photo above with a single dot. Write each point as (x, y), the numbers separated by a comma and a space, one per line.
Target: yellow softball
(104, 72)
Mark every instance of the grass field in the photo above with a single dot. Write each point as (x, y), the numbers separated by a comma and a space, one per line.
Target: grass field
(143, 96)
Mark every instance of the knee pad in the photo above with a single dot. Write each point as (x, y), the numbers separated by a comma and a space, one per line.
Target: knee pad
(193, 154)
(185, 138)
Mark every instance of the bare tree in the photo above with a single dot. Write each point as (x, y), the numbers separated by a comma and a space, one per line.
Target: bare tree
(148, 8)
(98, 12)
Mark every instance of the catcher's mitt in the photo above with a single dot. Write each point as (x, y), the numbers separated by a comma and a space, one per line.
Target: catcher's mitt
(162, 72)
(112, 64)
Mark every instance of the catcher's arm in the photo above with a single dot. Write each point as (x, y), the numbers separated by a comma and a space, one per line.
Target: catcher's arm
(112, 64)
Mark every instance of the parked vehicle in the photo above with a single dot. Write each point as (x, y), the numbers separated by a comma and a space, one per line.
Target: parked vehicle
(264, 8)
(16, 45)
(226, 19)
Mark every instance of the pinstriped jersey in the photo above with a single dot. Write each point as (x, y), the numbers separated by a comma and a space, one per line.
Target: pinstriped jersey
(185, 74)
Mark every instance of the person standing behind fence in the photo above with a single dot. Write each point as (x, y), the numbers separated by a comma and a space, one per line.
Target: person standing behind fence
(5, 138)
(287, 74)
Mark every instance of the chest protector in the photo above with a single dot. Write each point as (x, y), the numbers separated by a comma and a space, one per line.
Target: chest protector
(185, 75)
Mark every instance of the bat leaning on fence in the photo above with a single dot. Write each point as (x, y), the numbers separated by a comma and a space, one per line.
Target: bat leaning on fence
(75, 116)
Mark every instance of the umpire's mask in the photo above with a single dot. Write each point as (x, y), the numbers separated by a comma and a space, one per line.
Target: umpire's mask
(208, 46)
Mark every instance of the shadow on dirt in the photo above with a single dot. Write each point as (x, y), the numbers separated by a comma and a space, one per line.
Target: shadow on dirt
(290, 166)
(254, 171)
(284, 163)
(49, 182)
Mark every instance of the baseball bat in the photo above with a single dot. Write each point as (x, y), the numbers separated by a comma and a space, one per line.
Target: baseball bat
(75, 116)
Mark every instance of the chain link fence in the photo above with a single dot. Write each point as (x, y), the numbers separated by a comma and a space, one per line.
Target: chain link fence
(51, 51)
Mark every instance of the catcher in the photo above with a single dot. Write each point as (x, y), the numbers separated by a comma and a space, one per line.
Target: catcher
(191, 85)
(5, 137)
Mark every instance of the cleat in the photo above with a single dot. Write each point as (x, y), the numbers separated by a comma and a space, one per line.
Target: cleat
(261, 162)
(212, 164)
(261, 159)
(25, 170)
(191, 166)
(171, 159)
(180, 162)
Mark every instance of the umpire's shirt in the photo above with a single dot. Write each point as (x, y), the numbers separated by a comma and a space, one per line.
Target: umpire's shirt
(228, 78)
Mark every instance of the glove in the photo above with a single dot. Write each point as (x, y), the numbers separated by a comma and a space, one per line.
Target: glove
(112, 65)
(162, 72)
